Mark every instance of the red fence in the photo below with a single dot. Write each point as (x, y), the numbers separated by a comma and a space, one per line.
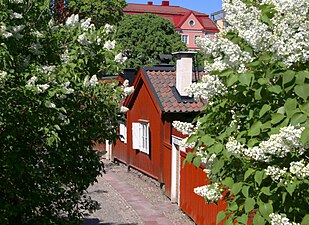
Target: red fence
(192, 204)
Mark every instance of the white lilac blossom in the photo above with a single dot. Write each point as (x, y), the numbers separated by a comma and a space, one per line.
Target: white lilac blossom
(66, 89)
(278, 145)
(93, 80)
(6, 34)
(206, 160)
(123, 109)
(184, 127)
(42, 87)
(299, 169)
(211, 193)
(3, 76)
(86, 24)
(119, 58)
(277, 174)
(18, 28)
(16, 15)
(125, 83)
(51, 105)
(47, 69)
(83, 40)
(73, 20)
(36, 48)
(64, 118)
(279, 219)
(109, 45)
(286, 39)
(31, 81)
(209, 87)
(128, 90)
(108, 28)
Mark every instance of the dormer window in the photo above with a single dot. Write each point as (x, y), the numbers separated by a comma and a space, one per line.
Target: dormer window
(191, 23)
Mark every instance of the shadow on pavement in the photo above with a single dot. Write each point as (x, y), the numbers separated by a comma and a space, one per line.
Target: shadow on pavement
(94, 221)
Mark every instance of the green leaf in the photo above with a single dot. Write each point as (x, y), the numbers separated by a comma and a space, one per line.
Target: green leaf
(302, 90)
(290, 106)
(197, 161)
(258, 220)
(255, 129)
(246, 78)
(290, 188)
(245, 191)
(262, 81)
(220, 216)
(249, 204)
(305, 136)
(305, 108)
(236, 188)
(288, 76)
(228, 182)
(189, 157)
(298, 118)
(275, 89)
(209, 141)
(276, 118)
(243, 219)
(248, 173)
(264, 110)
(305, 220)
(217, 148)
(232, 206)
(266, 209)
(232, 80)
(266, 191)
(259, 176)
(257, 94)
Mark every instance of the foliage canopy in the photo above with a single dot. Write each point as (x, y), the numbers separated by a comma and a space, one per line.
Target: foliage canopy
(145, 36)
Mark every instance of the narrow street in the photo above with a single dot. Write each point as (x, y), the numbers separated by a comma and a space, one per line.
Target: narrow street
(131, 198)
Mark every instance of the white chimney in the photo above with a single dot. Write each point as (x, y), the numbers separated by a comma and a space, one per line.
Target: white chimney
(183, 71)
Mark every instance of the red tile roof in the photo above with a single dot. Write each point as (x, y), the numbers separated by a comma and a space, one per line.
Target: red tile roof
(175, 14)
(163, 83)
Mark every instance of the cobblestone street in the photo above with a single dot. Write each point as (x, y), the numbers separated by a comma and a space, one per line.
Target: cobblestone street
(131, 198)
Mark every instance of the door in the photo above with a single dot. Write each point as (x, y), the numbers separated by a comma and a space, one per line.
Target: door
(175, 183)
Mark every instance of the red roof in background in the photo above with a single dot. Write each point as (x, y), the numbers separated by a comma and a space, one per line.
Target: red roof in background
(175, 14)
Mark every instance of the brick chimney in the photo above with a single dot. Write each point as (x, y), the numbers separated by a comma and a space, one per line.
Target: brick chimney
(184, 61)
(165, 3)
(149, 3)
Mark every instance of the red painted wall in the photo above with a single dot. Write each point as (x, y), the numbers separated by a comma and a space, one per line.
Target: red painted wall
(192, 204)
(120, 151)
(144, 108)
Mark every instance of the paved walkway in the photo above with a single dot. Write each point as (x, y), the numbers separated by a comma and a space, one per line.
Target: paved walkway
(131, 198)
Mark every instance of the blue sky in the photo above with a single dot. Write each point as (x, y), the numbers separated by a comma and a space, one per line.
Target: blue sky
(204, 6)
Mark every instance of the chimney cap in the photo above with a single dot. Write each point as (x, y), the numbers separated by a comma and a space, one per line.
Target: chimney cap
(182, 54)
(149, 3)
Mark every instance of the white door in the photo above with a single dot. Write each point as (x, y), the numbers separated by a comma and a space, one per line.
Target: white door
(175, 184)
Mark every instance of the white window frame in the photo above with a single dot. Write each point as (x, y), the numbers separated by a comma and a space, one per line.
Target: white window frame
(123, 132)
(185, 40)
(140, 136)
(195, 37)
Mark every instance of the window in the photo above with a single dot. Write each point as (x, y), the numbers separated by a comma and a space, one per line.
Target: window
(140, 136)
(185, 38)
(195, 39)
(191, 23)
(123, 132)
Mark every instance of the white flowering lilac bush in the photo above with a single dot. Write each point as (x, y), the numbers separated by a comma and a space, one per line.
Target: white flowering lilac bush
(256, 127)
(53, 107)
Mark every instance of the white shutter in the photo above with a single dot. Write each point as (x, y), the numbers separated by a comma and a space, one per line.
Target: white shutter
(135, 135)
(123, 132)
(147, 138)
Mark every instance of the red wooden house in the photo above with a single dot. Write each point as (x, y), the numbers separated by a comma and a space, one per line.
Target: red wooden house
(150, 143)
